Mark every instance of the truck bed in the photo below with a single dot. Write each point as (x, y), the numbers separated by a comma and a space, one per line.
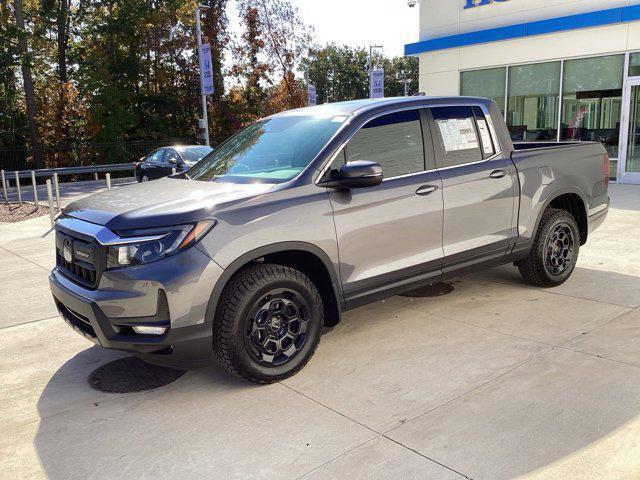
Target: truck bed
(535, 145)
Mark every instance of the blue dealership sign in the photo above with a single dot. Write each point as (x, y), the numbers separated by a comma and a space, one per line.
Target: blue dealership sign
(480, 3)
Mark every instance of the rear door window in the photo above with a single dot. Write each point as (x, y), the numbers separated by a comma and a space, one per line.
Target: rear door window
(394, 141)
(456, 136)
(488, 148)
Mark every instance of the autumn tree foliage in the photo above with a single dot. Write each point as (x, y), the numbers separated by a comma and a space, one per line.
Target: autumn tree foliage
(108, 72)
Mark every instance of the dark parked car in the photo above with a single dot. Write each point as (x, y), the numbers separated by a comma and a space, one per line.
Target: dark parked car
(160, 162)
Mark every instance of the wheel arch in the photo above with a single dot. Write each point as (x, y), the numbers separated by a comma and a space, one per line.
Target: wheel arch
(573, 201)
(305, 257)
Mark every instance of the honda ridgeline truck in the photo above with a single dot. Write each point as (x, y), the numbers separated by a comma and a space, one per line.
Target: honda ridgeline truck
(301, 216)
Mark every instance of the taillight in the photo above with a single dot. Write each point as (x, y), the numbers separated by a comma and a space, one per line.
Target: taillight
(607, 170)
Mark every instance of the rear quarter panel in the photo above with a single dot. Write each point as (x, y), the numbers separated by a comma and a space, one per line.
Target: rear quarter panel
(546, 173)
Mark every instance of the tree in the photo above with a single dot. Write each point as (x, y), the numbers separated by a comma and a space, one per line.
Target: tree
(27, 78)
(114, 71)
(286, 40)
(250, 69)
(338, 72)
(13, 122)
(137, 69)
(397, 70)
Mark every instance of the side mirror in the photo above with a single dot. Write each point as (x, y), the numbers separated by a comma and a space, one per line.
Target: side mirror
(356, 174)
(173, 161)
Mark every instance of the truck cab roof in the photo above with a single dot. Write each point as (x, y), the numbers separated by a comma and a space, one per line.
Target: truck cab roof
(355, 107)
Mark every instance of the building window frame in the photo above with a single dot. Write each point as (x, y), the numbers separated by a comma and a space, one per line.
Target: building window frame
(627, 54)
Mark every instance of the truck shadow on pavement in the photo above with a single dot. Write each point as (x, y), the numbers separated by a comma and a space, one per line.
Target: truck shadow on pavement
(539, 407)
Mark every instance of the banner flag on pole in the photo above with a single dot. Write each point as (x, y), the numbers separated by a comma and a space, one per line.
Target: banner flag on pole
(206, 71)
(376, 89)
(311, 95)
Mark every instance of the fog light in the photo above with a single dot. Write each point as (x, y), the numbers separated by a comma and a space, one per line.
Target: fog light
(146, 330)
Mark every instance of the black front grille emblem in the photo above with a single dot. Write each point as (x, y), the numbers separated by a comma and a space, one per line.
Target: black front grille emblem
(67, 252)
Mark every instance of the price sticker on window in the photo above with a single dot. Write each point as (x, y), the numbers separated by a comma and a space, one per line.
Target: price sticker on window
(458, 134)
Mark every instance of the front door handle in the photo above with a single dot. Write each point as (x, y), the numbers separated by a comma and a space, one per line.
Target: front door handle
(426, 190)
(498, 174)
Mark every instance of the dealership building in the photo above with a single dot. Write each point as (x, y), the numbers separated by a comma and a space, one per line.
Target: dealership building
(558, 69)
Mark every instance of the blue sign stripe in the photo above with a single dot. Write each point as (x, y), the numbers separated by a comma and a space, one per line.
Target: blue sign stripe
(552, 25)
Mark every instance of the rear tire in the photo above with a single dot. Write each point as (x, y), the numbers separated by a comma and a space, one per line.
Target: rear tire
(268, 323)
(555, 250)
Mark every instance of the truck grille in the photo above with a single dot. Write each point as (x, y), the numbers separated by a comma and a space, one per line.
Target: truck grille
(79, 259)
(84, 275)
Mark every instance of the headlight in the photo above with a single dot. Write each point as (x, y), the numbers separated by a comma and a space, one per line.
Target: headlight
(150, 245)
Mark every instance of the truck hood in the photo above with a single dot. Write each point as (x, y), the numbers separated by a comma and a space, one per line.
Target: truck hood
(168, 201)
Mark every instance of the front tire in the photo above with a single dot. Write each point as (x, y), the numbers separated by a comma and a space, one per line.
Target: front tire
(268, 323)
(555, 250)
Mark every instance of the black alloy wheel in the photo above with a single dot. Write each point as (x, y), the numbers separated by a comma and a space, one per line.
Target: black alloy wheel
(555, 249)
(268, 323)
(560, 246)
(276, 327)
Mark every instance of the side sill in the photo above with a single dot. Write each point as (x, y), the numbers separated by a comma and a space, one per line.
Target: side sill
(381, 292)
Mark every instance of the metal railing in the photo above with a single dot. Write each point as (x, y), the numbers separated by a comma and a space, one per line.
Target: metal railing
(79, 154)
(89, 169)
(53, 181)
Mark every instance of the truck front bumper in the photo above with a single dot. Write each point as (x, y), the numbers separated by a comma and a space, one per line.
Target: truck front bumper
(106, 316)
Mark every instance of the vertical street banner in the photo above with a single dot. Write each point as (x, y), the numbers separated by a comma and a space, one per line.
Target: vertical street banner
(376, 88)
(206, 71)
(311, 95)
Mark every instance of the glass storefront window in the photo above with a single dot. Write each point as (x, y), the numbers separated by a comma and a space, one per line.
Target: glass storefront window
(634, 65)
(532, 112)
(592, 100)
(488, 83)
(633, 143)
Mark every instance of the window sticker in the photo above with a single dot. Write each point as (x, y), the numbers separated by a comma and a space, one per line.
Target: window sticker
(458, 134)
(487, 144)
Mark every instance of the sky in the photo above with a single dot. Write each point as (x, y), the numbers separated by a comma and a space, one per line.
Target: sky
(359, 23)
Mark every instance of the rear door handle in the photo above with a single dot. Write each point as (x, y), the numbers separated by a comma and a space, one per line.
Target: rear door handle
(426, 190)
(498, 174)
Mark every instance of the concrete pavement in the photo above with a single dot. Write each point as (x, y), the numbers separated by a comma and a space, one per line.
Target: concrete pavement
(496, 380)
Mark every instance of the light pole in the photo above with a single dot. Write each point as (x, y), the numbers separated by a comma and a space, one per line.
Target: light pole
(406, 82)
(371, 48)
(203, 98)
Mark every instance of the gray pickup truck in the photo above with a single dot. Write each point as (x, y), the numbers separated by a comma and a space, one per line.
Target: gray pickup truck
(301, 216)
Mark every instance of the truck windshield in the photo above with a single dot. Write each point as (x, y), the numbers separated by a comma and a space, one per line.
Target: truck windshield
(273, 150)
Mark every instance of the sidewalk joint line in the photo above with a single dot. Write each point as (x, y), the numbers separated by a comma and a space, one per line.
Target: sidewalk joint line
(335, 457)
(428, 458)
(629, 310)
(29, 322)
(595, 355)
(25, 259)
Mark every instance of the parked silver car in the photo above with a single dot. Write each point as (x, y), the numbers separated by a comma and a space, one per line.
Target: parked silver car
(303, 215)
